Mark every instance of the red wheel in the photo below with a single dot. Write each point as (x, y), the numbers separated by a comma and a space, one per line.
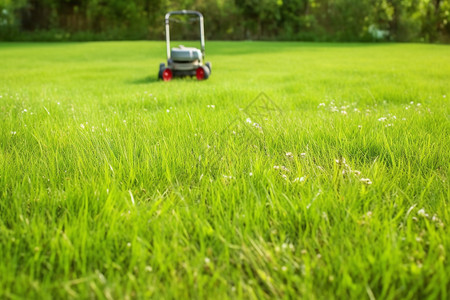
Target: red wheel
(200, 73)
(167, 74)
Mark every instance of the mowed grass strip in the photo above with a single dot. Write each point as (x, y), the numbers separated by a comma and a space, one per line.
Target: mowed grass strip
(333, 184)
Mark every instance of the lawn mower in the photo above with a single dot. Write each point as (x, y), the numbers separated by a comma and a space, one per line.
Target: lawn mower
(185, 61)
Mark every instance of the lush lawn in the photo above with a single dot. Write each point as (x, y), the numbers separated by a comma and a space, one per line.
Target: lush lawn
(114, 185)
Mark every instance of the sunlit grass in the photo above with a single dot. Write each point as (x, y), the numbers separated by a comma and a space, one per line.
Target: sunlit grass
(115, 185)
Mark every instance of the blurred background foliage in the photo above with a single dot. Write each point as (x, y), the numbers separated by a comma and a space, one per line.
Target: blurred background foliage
(305, 20)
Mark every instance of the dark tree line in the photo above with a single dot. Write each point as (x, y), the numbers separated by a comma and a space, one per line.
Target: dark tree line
(307, 20)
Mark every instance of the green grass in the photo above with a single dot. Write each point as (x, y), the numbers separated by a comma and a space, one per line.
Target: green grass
(116, 186)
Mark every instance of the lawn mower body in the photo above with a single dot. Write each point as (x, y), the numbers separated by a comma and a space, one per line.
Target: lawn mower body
(185, 61)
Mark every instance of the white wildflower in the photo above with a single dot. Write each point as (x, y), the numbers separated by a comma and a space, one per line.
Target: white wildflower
(437, 220)
(302, 154)
(366, 181)
(250, 174)
(321, 104)
(248, 120)
(13, 132)
(82, 126)
(207, 260)
(167, 110)
(299, 179)
(284, 268)
(289, 154)
(422, 213)
(257, 125)
(382, 119)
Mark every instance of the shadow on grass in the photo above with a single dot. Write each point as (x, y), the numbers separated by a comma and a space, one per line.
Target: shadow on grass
(145, 80)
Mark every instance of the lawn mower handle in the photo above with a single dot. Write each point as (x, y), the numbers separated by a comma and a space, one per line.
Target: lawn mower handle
(185, 12)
